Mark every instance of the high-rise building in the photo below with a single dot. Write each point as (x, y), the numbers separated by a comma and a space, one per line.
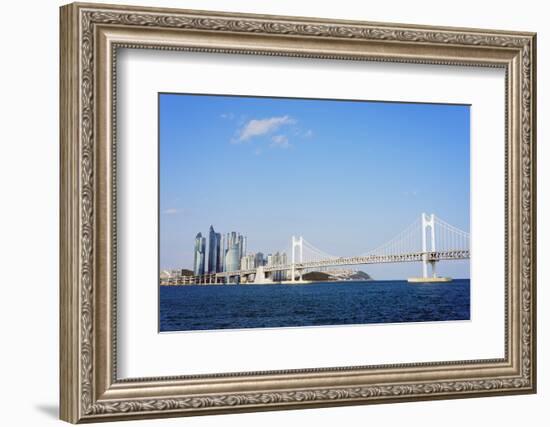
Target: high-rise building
(214, 241)
(223, 250)
(242, 244)
(231, 239)
(219, 251)
(278, 258)
(248, 262)
(232, 258)
(253, 260)
(199, 254)
(234, 252)
(259, 259)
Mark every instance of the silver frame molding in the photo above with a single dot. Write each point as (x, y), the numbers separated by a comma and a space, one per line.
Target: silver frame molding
(90, 37)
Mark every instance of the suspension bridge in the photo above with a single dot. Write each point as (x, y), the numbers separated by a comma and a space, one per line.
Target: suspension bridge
(427, 240)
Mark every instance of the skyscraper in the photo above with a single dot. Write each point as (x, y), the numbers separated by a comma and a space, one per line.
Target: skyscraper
(236, 245)
(200, 254)
(259, 259)
(214, 241)
(232, 258)
(242, 245)
(219, 265)
(223, 250)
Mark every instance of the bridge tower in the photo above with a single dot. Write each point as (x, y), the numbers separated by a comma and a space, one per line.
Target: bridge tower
(260, 275)
(428, 225)
(296, 243)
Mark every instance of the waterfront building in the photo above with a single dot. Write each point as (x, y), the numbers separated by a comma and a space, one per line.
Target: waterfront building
(242, 244)
(231, 239)
(228, 244)
(235, 250)
(219, 253)
(223, 250)
(278, 258)
(214, 242)
(283, 275)
(232, 258)
(259, 259)
(252, 260)
(199, 254)
(168, 274)
(248, 262)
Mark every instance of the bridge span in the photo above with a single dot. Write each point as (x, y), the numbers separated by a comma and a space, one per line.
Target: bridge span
(427, 241)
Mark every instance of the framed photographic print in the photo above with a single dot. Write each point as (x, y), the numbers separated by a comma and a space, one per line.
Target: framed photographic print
(298, 164)
(265, 212)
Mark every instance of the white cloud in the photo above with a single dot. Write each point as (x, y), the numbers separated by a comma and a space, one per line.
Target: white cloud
(308, 133)
(280, 141)
(257, 127)
(171, 211)
(229, 116)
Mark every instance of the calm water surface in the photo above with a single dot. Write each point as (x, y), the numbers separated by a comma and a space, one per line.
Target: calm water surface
(186, 308)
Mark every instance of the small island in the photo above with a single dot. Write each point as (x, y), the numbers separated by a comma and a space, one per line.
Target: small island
(336, 276)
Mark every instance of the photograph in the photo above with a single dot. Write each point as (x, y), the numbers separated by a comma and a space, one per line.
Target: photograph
(298, 212)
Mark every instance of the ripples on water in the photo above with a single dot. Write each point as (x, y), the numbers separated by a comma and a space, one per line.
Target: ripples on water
(186, 308)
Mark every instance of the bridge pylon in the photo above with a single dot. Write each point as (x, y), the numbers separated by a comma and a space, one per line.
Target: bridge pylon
(428, 245)
(428, 224)
(296, 243)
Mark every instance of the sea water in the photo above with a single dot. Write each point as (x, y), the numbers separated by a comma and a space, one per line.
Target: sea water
(210, 307)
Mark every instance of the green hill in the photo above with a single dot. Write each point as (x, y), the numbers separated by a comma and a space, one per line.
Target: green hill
(317, 276)
(320, 276)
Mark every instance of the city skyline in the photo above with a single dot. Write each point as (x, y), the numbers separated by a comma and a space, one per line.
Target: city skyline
(344, 174)
(228, 252)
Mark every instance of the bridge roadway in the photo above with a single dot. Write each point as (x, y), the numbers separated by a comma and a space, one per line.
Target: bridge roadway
(358, 260)
(451, 255)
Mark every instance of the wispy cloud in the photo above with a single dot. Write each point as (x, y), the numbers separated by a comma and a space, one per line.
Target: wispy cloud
(280, 141)
(172, 211)
(258, 127)
(308, 133)
(228, 116)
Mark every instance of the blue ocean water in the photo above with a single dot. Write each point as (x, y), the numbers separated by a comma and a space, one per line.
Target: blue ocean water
(190, 308)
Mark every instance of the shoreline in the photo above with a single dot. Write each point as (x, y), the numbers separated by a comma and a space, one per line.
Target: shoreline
(285, 282)
(296, 283)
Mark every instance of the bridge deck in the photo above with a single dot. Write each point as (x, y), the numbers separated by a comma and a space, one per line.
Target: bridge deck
(359, 260)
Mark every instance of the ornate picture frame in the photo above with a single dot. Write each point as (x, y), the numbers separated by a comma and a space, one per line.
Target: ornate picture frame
(90, 37)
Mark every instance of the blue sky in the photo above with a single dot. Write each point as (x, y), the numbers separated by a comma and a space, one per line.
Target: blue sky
(346, 175)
